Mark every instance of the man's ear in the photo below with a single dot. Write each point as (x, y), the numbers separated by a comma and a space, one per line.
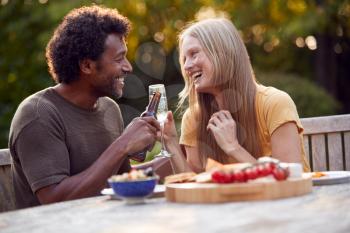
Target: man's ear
(87, 66)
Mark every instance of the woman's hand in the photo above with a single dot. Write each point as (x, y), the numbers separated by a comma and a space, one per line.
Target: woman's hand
(224, 129)
(178, 160)
(170, 134)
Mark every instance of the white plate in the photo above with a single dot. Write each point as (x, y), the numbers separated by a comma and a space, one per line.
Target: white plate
(332, 177)
(157, 192)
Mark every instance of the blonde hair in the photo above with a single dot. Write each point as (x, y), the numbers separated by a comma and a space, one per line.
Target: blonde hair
(233, 75)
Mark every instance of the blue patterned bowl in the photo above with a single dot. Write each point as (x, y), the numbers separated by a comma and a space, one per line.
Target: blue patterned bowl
(134, 189)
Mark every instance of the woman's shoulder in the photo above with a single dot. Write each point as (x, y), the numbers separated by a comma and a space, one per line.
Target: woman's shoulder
(268, 91)
(187, 115)
(276, 107)
(271, 95)
(189, 112)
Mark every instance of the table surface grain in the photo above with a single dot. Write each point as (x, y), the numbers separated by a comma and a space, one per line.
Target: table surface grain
(326, 209)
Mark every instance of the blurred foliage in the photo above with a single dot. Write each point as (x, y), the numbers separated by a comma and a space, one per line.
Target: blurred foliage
(270, 30)
(22, 60)
(311, 100)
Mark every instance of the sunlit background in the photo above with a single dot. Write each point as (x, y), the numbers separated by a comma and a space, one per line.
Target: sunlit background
(302, 47)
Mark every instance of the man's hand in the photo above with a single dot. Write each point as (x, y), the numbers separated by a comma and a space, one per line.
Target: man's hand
(141, 132)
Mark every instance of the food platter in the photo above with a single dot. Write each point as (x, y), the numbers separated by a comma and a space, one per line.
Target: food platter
(331, 177)
(217, 193)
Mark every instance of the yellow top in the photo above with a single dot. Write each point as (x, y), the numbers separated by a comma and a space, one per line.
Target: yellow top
(274, 108)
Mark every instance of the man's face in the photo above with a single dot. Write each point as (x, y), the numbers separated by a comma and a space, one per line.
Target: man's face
(112, 67)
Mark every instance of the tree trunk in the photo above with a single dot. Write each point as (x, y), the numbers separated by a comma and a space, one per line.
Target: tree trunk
(326, 64)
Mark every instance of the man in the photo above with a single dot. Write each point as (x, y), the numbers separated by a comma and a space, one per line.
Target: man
(67, 140)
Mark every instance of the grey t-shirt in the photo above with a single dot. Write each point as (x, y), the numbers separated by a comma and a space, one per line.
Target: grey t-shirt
(51, 139)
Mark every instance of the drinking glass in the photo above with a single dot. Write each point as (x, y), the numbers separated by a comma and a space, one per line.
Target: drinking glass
(161, 115)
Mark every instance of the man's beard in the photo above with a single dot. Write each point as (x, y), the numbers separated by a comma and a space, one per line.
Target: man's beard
(110, 89)
(113, 87)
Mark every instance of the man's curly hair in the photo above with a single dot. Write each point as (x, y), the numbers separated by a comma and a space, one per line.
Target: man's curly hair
(82, 35)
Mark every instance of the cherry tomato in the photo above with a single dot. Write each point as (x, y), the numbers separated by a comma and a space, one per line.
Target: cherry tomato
(279, 173)
(239, 176)
(227, 178)
(217, 176)
(270, 165)
(251, 173)
(232, 177)
(263, 170)
(221, 177)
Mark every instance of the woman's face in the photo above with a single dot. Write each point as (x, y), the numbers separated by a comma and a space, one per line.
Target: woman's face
(197, 65)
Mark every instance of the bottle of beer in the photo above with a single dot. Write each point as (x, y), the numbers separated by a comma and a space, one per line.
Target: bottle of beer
(151, 110)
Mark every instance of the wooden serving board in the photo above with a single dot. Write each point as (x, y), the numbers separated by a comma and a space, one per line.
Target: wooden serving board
(215, 193)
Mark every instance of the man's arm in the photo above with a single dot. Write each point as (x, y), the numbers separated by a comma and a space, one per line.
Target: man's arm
(140, 133)
(87, 183)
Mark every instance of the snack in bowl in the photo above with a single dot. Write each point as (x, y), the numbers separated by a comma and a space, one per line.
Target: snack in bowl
(135, 184)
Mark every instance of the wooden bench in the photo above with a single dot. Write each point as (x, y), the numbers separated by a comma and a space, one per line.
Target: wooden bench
(327, 142)
(7, 201)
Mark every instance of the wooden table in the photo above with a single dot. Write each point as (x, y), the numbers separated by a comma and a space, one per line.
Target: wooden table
(326, 209)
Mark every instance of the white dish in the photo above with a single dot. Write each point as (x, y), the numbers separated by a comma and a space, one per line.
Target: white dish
(332, 177)
(158, 192)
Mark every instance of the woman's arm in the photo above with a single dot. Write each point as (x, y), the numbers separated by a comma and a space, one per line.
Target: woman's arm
(178, 159)
(285, 140)
(285, 143)
(193, 159)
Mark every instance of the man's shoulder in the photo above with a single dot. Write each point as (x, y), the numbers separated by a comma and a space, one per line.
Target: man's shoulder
(108, 102)
(36, 104)
(34, 107)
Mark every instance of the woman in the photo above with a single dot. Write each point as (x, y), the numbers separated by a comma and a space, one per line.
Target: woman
(230, 118)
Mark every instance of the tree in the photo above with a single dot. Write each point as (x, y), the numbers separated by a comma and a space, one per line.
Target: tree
(280, 36)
